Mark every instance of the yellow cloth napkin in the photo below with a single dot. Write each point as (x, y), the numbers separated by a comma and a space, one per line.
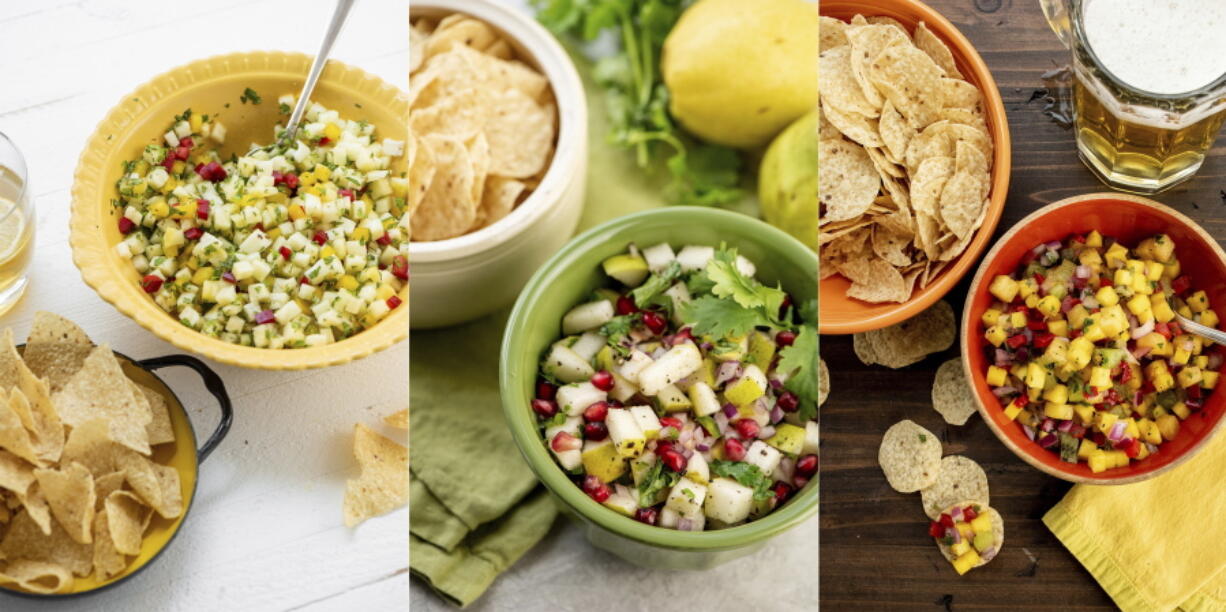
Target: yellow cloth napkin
(1157, 545)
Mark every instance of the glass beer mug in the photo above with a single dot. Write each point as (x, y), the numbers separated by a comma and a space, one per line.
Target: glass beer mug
(1149, 91)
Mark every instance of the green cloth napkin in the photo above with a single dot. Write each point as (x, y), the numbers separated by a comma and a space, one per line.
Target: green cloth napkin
(476, 508)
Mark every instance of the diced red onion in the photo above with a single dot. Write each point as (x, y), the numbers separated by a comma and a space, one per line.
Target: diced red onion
(1143, 330)
(1151, 448)
(787, 469)
(1215, 361)
(1141, 351)
(956, 514)
(1029, 431)
(1048, 440)
(1054, 245)
(1067, 303)
(703, 447)
(1004, 391)
(684, 524)
(775, 383)
(776, 414)
(721, 422)
(727, 371)
(1003, 359)
(1090, 302)
(1038, 250)
(687, 453)
(729, 410)
(1188, 344)
(1048, 425)
(1117, 432)
(1082, 271)
(1028, 334)
(956, 535)
(988, 554)
(1064, 426)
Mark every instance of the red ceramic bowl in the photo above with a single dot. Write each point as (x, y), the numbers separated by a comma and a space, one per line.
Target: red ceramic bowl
(1129, 219)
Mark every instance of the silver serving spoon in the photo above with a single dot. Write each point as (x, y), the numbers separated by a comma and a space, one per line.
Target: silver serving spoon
(1203, 331)
(317, 67)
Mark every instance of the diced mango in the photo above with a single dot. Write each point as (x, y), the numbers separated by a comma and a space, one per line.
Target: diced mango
(996, 376)
(1094, 239)
(1003, 288)
(1104, 421)
(1098, 461)
(1087, 447)
(1168, 426)
(966, 562)
(1036, 376)
(1012, 411)
(1149, 431)
(990, 317)
(1198, 301)
(995, 335)
(1058, 328)
(1058, 411)
(1158, 374)
(1049, 305)
(1057, 394)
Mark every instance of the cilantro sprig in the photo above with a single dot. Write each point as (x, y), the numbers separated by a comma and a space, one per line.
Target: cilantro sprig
(800, 361)
(737, 303)
(637, 99)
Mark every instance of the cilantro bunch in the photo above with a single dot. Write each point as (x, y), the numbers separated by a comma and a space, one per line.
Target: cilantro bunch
(637, 99)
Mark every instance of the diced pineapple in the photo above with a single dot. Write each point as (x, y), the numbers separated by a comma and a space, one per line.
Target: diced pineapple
(1161, 308)
(1208, 379)
(1116, 255)
(1036, 376)
(1084, 412)
(1141, 306)
(1094, 239)
(995, 335)
(1104, 421)
(1157, 344)
(1017, 320)
(1198, 301)
(1058, 328)
(1049, 305)
(1012, 411)
(1003, 288)
(996, 376)
(1149, 431)
(1168, 426)
(966, 562)
(1100, 377)
(1123, 277)
(1086, 449)
(1058, 411)
(1098, 461)
(990, 317)
(1158, 374)
(1056, 394)
(1207, 317)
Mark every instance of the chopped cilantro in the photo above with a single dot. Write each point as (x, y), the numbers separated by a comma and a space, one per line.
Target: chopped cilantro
(747, 474)
(923, 438)
(284, 108)
(249, 95)
(655, 285)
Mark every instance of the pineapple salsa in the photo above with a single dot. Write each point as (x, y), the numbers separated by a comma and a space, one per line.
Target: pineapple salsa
(684, 395)
(1088, 355)
(283, 247)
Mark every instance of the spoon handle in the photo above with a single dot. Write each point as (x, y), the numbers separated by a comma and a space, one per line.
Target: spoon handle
(317, 67)
(1203, 331)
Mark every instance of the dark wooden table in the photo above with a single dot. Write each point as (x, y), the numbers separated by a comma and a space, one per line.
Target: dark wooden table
(875, 552)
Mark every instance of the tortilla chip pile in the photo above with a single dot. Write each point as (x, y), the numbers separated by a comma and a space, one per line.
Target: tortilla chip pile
(383, 484)
(482, 127)
(78, 486)
(910, 458)
(905, 153)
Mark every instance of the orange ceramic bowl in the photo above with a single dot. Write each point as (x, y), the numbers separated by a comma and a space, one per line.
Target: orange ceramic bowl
(1129, 219)
(840, 314)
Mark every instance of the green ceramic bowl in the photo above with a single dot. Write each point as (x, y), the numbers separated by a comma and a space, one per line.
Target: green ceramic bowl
(570, 275)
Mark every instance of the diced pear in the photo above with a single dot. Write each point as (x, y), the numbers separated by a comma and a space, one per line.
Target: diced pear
(788, 439)
(812, 438)
(697, 469)
(605, 359)
(566, 365)
(755, 374)
(601, 460)
(634, 365)
(686, 497)
(622, 502)
(763, 455)
(672, 399)
(625, 433)
(744, 391)
(680, 295)
(645, 417)
(668, 518)
(659, 256)
(640, 465)
(568, 459)
(694, 258)
(728, 501)
(588, 345)
(736, 353)
(679, 362)
(630, 270)
(575, 397)
(622, 389)
(587, 316)
(761, 349)
(702, 396)
(571, 426)
(745, 267)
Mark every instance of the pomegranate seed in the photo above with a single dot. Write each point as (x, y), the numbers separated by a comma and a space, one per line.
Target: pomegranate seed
(181, 153)
(596, 412)
(384, 240)
(673, 460)
(291, 181)
(345, 193)
(546, 390)
(265, 316)
(151, 283)
(673, 422)
(229, 278)
(187, 142)
(625, 305)
(734, 450)
(169, 162)
(800, 481)
(663, 446)
(785, 304)
(595, 489)
(285, 252)
(947, 520)
(787, 402)
(544, 408)
(654, 321)
(646, 515)
(935, 529)
(748, 428)
(259, 226)
(682, 336)
(602, 380)
(614, 404)
(193, 233)
(211, 171)
(400, 267)
(202, 209)
(969, 513)
(807, 465)
(304, 281)
(595, 431)
(126, 225)
(324, 140)
(785, 338)
(782, 491)
(394, 301)
(320, 238)
(564, 441)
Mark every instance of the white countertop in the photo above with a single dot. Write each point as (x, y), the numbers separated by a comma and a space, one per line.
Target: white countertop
(265, 531)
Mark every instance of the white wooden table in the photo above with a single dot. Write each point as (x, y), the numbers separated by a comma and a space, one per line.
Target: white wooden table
(265, 532)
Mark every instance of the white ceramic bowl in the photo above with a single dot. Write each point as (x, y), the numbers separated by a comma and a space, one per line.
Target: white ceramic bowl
(462, 278)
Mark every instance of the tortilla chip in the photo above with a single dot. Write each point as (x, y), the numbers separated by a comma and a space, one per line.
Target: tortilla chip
(891, 246)
(961, 94)
(874, 281)
(823, 381)
(399, 420)
(39, 416)
(160, 429)
(36, 576)
(941, 139)
(101, 390)
(908, 342)
(854, 126)
(25, 540)
(960, 479)
(140, 474)
(521, 135)
(952, 397)
(501, 195)
(910, 456)
(889, 21)
(126, 517)
(16, 474)
(90, 445)
(929, 43)
(998, 533)
(868, 42)
(384, 482)
(108, 561)
(70, 495)
(55, 349)
(927, 184)
(447, 209)
(910, 80)
(14, 437)
(964, 192)
(463, 31)
(839, 86)
(848, 180)
(895, 132)
(105, 485)
(832, 33)
(172, 491)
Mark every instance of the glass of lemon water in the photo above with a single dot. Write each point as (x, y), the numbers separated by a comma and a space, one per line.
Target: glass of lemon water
(16, 224)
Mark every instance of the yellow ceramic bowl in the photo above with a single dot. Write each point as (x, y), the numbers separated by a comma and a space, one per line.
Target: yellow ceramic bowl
(183, 455)
(213, 86)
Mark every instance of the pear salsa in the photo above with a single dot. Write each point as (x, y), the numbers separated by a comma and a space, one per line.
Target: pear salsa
(684, 394)
(291, 245)
(1086, 351)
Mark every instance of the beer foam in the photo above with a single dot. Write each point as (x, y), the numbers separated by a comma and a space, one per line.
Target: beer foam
(1160, 46)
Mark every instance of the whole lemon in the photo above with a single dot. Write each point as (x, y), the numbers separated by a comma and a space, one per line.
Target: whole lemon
(787, 181)
(739, 71)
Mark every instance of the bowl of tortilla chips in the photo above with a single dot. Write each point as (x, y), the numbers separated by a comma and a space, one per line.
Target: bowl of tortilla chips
(98, 460)
(915, 159)
(499, 155)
